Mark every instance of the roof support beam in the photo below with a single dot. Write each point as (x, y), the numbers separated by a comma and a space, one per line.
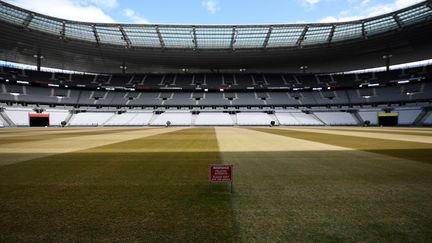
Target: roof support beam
(38, 61)
(194, 38)
(162, 43)
(302, 36)
(398, 21)
(233, 38)
(63, 31)
(160, 37)
(123, 67)
(96, 35)
(364, 34)
(331, 34)
(267, 37)
(125, 37)
(27, 21)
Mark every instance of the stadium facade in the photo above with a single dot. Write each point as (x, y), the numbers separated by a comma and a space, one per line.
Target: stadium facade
(282, 74)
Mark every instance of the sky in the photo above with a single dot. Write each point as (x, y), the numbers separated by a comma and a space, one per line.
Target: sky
(212, 11)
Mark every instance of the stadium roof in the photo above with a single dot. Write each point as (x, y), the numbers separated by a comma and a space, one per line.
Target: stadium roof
(194, 40)
(215, 36)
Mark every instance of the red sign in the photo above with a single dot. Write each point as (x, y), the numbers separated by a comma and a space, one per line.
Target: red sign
(220, 173)
(38, 115)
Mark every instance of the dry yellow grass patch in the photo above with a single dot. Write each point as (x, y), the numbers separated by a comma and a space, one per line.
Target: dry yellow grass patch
(368, 134)
(244, 140)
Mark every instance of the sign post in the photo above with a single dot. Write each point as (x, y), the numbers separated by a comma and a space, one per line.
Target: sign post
(220, 173)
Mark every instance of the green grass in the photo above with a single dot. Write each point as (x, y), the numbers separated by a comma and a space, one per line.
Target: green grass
(330, 197)
(381, 191)
(335, 196)
(97, 195)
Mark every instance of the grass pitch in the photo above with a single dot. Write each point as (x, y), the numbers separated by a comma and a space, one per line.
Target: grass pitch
(293, 184)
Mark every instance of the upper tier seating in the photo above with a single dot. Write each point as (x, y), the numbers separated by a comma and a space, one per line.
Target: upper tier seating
(216, 81)
(60, 96)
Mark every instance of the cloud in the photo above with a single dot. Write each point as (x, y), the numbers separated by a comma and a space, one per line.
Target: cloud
(366, 8)
(78, 10)
(406, 3)
(310, 3)
(103, 3)
(332, 19)
(211, 5)
(377, 9)
(133, 17)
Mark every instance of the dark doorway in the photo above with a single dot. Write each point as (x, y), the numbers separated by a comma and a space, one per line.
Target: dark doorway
(39, 120)
(388, 119)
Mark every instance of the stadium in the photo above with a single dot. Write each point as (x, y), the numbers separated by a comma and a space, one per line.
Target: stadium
(109, 130)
